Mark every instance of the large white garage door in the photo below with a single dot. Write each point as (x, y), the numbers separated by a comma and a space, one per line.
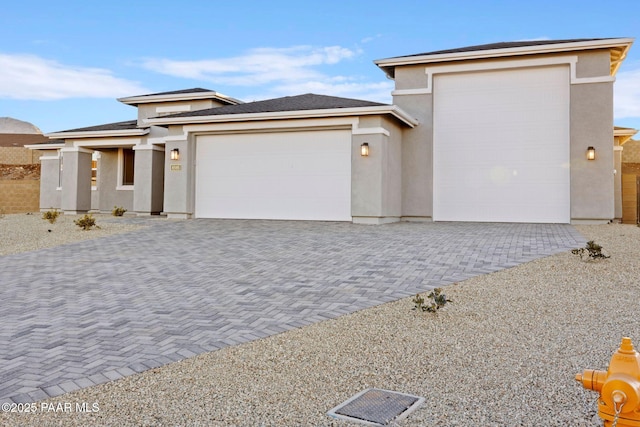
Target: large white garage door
(501, 146)
(280, 175)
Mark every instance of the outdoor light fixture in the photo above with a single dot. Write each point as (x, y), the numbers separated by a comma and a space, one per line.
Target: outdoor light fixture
(175, 154)
(364, 149)
(591, 153)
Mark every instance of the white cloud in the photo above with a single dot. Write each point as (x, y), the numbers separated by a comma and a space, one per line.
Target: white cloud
(31, 77)
(370, 38)
(627, 94)
(275, 72)
(257, 67)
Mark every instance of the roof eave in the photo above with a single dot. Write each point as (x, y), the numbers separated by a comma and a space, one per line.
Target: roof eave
(387, 65)
(98, 133)
(282, 115)
(146, 99)
(49, 146)
(624, 134)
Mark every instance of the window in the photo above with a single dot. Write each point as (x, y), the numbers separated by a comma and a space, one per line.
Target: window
(128, 161)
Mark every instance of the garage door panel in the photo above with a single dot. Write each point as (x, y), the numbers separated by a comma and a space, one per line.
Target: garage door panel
(501, 146)
(285, 175)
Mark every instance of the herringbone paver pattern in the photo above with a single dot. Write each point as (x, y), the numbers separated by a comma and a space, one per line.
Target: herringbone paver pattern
(94, 311)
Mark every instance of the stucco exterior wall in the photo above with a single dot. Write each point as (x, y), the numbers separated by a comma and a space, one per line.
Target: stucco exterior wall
(76, 180)
(179, 178)
(109, 195)
(146, 111)
(366, 178)
(149, 179)
(592, 181)
(376, 194)
(392, 170)
(50, 194)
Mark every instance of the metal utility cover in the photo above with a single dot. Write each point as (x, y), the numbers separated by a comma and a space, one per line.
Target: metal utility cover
(376, 407)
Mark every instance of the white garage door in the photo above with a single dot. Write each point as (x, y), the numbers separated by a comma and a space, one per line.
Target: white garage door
(280, 175)
(501, 146)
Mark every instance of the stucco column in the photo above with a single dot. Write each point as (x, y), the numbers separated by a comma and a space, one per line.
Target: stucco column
(148, 182)
(369, 204)
(50, 180)
(178, 178)
(617, 181)
(76, 180)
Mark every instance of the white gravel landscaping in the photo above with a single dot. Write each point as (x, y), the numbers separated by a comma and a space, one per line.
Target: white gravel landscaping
(504, 353)
(29, 232)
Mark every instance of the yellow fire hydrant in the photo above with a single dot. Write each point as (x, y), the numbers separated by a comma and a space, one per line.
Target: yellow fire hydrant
(619, 387)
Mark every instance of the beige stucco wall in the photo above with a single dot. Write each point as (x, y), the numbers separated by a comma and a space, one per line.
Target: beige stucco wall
(19, 196)
(631, 152)
(19, 156)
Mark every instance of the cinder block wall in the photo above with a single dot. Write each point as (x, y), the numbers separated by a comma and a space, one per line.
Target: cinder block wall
(631, 152)
(19, 156)
(19, 196)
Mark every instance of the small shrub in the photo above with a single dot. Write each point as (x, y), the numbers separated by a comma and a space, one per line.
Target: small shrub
(592, 250)
(86, 222)
(435, 301)
(118, 211)
(51, 215)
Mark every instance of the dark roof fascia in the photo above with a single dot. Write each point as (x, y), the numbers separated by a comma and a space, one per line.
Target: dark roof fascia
(335, 107)
(304, 102)
(126, 128)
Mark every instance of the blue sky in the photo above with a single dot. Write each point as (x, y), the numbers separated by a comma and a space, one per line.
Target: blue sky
(63, 63)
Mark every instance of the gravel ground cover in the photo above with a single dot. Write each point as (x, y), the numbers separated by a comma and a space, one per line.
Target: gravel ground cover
(29, 232)
(504, 353)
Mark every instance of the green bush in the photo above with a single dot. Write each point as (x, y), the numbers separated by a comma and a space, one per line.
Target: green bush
(118, 211)
(435, 301)
(592, 250)
(86, 222)
(51, 215)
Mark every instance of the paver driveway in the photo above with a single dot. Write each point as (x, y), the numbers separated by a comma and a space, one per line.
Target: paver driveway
(92, 311)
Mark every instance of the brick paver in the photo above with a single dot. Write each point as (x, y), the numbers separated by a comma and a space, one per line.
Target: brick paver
(98, 310)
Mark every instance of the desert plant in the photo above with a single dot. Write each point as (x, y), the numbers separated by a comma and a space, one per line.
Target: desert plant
(592, 250)
(51, 215)
(435, 301)
(86, 222)
(118, 211)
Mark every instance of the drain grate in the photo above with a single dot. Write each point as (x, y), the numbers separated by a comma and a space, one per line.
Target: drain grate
(376, 407)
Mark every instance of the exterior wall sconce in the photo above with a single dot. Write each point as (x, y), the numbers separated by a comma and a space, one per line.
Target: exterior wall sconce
(591, 153)
(364, 149)
(175, 154)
